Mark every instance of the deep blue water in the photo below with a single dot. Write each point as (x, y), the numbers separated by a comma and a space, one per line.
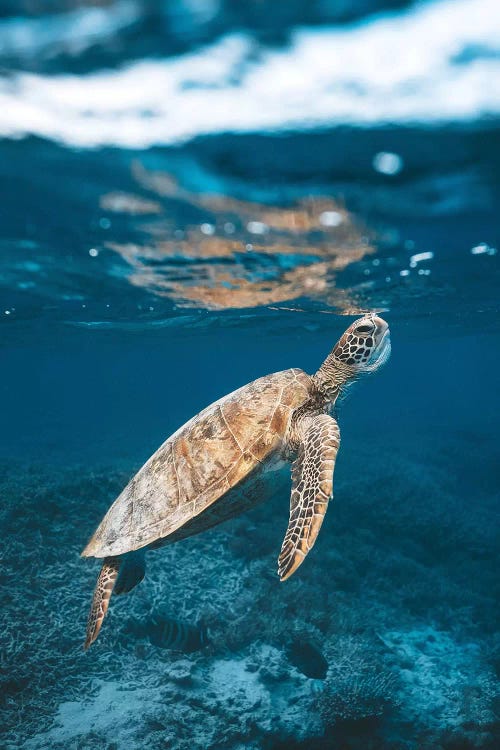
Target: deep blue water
(184, 211)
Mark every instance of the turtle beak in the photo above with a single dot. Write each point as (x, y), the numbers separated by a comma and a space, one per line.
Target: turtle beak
(383, 339)
(382, 326)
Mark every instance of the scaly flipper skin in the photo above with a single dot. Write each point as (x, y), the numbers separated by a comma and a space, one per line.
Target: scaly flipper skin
(312, 488)
(100, 601)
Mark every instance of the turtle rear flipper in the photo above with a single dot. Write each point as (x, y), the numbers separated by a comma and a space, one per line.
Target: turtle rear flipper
(100, 600)
(132, 571)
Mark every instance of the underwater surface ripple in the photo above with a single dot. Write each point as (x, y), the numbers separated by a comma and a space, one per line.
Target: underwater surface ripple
(147, 270)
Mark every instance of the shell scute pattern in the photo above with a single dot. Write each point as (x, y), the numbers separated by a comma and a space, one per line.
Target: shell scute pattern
(197, 465)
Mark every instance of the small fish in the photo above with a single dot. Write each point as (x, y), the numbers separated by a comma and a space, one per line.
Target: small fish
(307, 658)
(165, 632)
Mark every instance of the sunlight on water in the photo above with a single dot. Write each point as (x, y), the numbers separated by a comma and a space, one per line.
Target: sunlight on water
(447, 74)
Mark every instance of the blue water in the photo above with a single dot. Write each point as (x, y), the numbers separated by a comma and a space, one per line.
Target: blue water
(182, 212)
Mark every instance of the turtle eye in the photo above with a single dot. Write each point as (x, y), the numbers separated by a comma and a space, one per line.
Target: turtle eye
(364, 329)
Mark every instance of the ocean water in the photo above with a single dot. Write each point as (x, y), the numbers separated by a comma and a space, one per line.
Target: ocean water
(195, 194)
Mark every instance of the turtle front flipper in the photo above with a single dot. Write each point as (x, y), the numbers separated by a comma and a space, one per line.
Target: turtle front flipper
(312, 488)
(100, 600)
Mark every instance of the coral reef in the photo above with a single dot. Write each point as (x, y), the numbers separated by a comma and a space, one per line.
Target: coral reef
(400, 598)
(357, 686)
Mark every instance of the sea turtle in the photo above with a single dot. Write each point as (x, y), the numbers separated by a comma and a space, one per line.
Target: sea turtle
(212, 468)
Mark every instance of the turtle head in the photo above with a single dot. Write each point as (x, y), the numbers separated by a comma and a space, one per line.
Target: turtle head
(363, 348)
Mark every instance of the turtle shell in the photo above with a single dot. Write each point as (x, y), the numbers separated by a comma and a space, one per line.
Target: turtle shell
(201, 462)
